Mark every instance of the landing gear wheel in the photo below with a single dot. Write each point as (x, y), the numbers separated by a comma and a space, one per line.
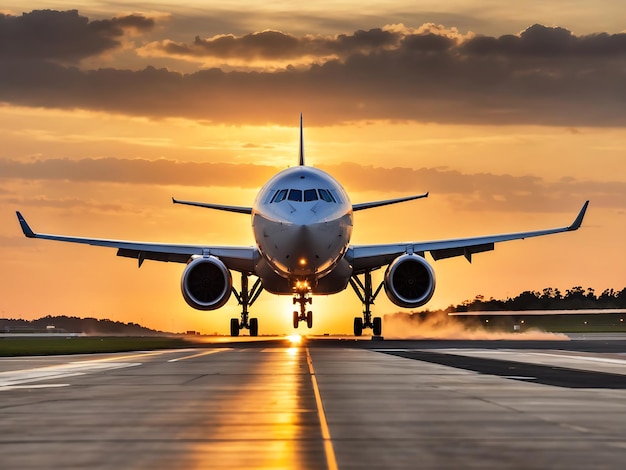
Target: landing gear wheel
(378, 326)
(254, 327)
(358, 326)
(296, 319)
(234, 327)
(309, 319)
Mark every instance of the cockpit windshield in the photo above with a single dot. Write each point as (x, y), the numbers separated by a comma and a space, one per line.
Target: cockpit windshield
(279, 196)
(326, 195)
(295, 195)
(308, 195)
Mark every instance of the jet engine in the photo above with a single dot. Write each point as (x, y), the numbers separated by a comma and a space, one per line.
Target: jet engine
(409, 281)
(206, 283)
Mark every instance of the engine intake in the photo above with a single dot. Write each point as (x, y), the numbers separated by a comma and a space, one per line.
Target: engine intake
(206, 283)
(409, 281)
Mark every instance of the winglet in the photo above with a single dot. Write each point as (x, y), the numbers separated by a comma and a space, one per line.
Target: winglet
(301, 154)
(579, 218)
(25, 228)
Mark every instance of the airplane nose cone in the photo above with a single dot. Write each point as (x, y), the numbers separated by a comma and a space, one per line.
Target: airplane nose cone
(303, 250)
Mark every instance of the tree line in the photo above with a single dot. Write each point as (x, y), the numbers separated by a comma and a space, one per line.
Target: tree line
(548, 299)
(68, 324)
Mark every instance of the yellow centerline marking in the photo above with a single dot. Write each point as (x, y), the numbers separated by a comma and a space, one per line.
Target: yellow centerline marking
(205, 353)
(331, 460)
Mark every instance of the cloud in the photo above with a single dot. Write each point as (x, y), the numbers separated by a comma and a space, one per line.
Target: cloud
(548, 42)
(70, 203)
(63, 35)
(542, 76)
(485, 190)
(139, 171)
(277, 46)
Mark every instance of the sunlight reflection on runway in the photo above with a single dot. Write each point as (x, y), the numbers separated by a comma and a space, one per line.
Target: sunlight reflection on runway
(266, 428)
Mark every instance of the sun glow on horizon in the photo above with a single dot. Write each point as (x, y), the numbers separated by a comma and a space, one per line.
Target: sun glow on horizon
(295, 339)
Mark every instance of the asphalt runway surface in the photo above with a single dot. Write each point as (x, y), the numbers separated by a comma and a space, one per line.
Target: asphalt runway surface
(321, 404)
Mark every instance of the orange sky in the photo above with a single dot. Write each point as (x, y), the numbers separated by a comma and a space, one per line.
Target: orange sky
(511, 119)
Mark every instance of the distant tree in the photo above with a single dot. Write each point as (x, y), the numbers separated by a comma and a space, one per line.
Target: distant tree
(557, 294)
(82, 325)
(591, 294)
(621, 298)
(527, 300)
(548, 298)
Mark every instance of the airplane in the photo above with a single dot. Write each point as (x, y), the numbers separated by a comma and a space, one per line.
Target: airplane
(302, 221)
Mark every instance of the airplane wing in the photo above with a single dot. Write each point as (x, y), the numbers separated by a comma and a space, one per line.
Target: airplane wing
(368, 205)
(219, 207)
(236, 258)
(365, 257)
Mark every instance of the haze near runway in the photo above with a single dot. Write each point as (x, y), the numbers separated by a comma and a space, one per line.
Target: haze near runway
(321, 404)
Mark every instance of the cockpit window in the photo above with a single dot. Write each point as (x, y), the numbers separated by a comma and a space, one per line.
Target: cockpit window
(295, 195)
(310, 195)
(326, 195)
(280, 196)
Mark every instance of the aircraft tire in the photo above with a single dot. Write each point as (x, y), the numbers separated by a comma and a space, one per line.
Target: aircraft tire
(309, 319)
(254, 327)
(378, 326)
(358, 326)
(234, 327)
(296, 319)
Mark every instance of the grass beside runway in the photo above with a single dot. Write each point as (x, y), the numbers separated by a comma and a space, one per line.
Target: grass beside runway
(87, 344)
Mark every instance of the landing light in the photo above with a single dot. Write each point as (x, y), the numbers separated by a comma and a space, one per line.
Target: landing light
(302, 285)
(302, 261)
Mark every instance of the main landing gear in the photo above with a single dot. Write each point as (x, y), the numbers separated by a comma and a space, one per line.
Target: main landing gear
(367, 296)
(302, 297)
(246, 298)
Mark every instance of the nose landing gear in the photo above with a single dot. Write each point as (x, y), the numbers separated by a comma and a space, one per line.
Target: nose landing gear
(302, 297)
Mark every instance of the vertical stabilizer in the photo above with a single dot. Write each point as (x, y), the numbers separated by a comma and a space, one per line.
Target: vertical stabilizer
(301, 159)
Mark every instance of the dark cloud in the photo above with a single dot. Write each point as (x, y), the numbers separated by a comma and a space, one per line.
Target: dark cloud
(485, 190)
(275, 45)
(429, 42)
(63, 35)
(537, 41)
(550, 42)
(544, 76)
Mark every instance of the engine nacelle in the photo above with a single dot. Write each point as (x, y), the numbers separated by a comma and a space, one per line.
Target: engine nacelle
(206, 283)
(409, 281)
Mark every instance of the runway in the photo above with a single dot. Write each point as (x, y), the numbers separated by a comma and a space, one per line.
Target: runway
(321, 404)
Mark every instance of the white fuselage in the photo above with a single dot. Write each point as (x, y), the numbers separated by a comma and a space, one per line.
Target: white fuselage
(302, 223)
